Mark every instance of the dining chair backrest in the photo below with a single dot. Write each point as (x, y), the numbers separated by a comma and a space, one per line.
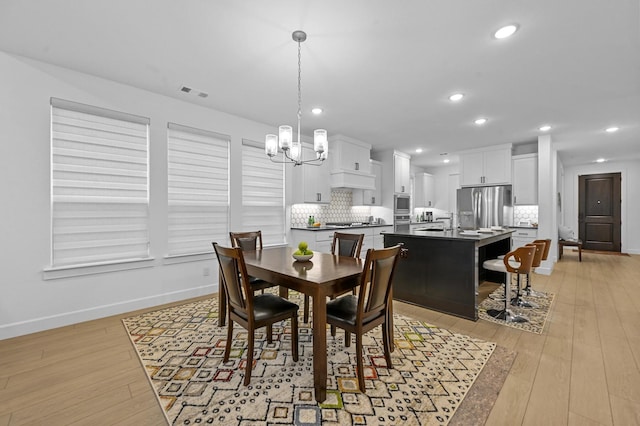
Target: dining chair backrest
(547, 246)
(375, 282)
(247, 241)
(523, 256)
(235, 279)
(344, 244)
(537, 256)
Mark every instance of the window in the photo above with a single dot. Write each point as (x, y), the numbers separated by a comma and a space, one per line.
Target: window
(262, 194)
(99, 185)
(198, 185)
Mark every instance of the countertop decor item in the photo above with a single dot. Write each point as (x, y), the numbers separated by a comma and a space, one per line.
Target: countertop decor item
(292, 149)
(302, 257)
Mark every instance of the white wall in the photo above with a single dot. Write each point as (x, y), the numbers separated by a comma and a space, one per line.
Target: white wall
(630, 186)
(29, 303)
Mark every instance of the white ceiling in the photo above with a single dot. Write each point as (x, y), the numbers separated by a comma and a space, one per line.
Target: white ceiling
(382, 70)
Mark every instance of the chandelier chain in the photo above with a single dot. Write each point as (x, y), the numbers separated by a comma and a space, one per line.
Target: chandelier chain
(299, 89)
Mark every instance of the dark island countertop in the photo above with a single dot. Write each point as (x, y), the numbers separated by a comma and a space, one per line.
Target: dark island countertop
(454, 235)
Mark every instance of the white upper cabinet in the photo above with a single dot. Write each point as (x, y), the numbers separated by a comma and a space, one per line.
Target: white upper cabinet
(490, 166)
(425, 190)
(350, 166)
(401, 173)
(525, 179)
(311, 183)
(370, 197)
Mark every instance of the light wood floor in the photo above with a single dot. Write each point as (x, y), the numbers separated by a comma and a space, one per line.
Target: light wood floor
(583, 369)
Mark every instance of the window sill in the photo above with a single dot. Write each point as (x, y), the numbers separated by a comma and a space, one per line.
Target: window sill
(54, 273)
(183, 258)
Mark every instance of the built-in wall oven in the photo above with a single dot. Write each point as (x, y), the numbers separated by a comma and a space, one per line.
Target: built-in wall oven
(402, 205)
(402, 223)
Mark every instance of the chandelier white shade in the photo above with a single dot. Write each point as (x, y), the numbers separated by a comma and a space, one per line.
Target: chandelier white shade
(292, 149)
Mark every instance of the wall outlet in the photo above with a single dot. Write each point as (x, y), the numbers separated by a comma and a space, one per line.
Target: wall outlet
(206, 272)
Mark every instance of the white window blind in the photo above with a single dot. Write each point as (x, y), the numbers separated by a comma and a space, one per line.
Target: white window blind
(99, 185)
(262, 194)
(198, 190)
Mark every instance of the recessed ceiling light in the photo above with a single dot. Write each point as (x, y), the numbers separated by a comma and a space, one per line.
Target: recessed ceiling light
(456, 97)
(545, 128)
(419, 150)
(317, 111)
(612, 129)
(600, 160)
(446, 160)
(506, 31)
(480, 121)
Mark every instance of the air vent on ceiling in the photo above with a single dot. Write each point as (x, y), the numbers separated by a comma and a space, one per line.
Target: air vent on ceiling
(199, 93)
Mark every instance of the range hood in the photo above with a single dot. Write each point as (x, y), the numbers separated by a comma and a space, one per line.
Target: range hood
(354, 179)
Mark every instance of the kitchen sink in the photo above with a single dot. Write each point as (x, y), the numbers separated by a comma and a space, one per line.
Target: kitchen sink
(430, 229)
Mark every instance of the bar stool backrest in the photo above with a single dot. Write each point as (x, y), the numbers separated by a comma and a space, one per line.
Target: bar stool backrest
(537, 257)
(524, 258)
(547, 246)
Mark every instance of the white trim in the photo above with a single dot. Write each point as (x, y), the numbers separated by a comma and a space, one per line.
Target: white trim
(185, 258)
(68, 318)
(95, 268)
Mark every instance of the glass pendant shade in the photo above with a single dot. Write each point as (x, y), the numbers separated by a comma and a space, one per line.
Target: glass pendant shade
(271, 145)
(285, 137)
(296, 151)
(320, 144)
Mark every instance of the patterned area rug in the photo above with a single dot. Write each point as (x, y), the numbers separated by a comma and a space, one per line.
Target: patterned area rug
(181, 349)
(537, 316)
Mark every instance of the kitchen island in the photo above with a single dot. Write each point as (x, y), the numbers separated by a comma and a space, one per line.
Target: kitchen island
(443, 269)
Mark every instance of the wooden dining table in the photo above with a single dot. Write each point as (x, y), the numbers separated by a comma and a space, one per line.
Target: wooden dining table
(323, 275)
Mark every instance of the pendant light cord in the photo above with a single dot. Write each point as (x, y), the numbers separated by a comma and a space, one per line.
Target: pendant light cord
(299, 93)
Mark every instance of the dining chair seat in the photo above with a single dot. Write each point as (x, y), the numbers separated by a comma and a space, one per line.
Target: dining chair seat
(269, 306)
(343, 309)
(259, 284)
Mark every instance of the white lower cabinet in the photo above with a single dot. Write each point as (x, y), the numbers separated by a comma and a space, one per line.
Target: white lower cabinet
(523, 236)
(321, 240)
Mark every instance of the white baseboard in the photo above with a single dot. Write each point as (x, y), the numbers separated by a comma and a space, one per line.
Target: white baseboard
(60, 320)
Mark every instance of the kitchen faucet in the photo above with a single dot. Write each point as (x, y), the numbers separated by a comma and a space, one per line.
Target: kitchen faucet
(450, 219)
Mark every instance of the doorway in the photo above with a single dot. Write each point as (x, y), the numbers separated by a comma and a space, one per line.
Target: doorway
(599, 207)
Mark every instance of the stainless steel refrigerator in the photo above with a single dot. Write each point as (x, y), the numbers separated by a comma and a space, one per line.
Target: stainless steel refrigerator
(485, 206)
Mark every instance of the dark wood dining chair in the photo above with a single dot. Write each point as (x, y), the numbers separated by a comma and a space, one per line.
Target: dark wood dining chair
(370, 308)
(250, 241)
(343, 244)
(249, 310)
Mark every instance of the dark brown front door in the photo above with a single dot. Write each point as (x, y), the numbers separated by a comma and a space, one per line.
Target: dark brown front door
(599, 211)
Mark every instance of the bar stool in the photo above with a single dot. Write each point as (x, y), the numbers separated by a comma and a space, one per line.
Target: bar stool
(536, 262)
(537, 259)
(518, 262)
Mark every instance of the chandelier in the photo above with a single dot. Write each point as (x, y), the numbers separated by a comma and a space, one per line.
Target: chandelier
(292, 149)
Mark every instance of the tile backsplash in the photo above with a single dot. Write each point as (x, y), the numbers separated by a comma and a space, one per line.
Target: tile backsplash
(529, 213)
(340, 209)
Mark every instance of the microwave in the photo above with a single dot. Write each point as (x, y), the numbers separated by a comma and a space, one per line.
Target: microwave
(402, 204)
